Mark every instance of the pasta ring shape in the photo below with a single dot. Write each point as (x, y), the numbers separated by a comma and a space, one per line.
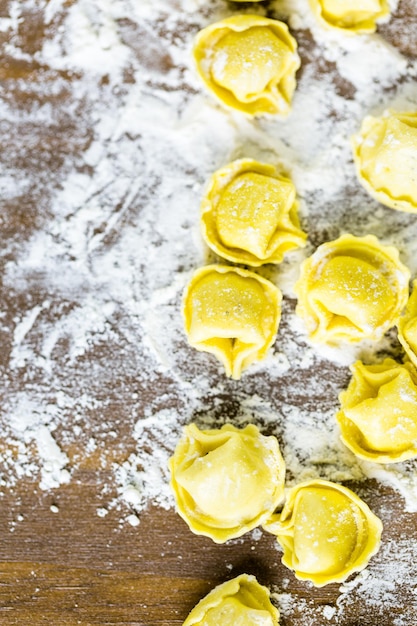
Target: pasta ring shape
(232, 313)
(355, 16)
(249, 214)
(241, 600)
(249, 63)
(351, 289)
(385, 155)
(227, 481)
(378, 416)
(407, 327)
(326, 531)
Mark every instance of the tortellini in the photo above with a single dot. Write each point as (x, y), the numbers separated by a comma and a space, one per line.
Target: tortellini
(326, 531)
(241, 601)
(249, 62)
(407, 327)
(351, 289)
(385, 154)
(227, 481)
(354, 16)
(232, 313)
(249, 214)
(378, 417)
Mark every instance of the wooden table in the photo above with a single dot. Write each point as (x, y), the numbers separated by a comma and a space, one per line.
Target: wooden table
(72, 567)
(60, 562)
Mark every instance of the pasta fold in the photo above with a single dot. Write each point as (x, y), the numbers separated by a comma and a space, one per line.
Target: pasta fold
(231, 313)
(249, 214)
(385, 155)
(351, 289)
(226, 481)
(326, 531)
(241, 601)
(249, 63)
(378, 416)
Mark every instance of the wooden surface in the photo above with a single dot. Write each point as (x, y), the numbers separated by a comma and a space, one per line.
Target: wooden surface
(71, 566)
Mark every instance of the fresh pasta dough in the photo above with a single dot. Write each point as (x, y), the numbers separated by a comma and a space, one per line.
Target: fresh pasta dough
(385, 155)
(227, 481)
(351, 289)
(249, 63)
(231, 313)
(355, 16)
(249, 214)
(241, 601)
(407, 327)
(378, 416)
(326, 531)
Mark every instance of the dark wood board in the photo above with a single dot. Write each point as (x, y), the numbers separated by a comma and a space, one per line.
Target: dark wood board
(66, 565)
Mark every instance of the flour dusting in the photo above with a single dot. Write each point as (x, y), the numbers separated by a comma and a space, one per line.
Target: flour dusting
(94, 360)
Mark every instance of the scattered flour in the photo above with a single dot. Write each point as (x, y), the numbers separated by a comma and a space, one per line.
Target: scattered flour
(95, 358)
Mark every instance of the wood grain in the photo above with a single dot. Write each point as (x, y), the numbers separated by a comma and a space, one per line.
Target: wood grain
(73, 567)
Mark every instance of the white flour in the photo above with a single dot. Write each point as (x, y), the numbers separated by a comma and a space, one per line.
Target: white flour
(98, 348)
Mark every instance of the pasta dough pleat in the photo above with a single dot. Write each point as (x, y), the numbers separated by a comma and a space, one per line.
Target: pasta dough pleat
(326, 531)
(249, 62)
(385, 155)
(354, 17)
(407, 327)
(241, 601)
(351, 289)
(378, 416)
(231, 313)
(249, 214)
(226, 481)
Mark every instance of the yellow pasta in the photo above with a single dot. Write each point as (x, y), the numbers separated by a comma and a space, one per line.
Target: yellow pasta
(378, 416)
(407, 327)
(351, 289)
(385, 154)
(233, 314)
(249, 214)
(241, 601)
(354, 16)
(249, 63)
(227, 481)
(326, 531)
